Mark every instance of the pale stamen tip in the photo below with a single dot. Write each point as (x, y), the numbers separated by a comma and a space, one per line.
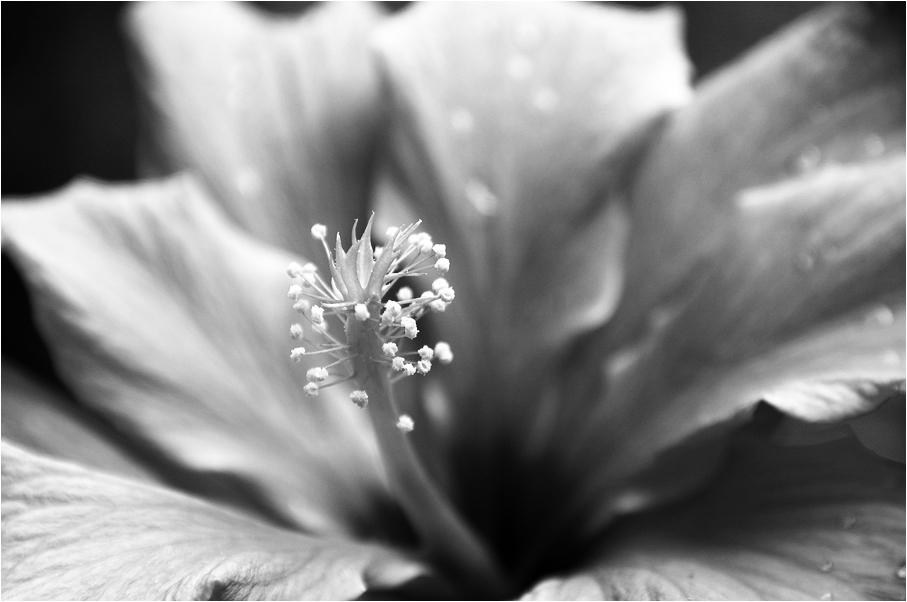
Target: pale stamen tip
(404, 294)
(405, 423)
(442, 265)
(440, 250)
(297, 354)
(389, 349)
(319, 231)
(423, 367)
(317, 314)
(296, 332)
(294, 270)
(294, 292)
(426, 353)
(443, 352)
(360, 398)
(311, 389)
(398, 364)
(316, 375)
(439, 284)
(409, 327)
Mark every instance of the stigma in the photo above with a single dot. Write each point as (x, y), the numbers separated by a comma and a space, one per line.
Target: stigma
(353, 295)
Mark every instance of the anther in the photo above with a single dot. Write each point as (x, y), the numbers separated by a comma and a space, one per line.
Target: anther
(440, 250)
(409, 369)
(317, 313)
(319, 231)
(294, 292)
(311, 389)
(316, 375)
(426, 353)
(398, 364)
(443, 352)
(447, 294)
(360, 398)
(361, 312)
(392, 311)
(405, 423)
(439, 284)
(301, 306)
(297, 353)
(442, 265)
(294, 270)
(405, 293)
(409, 327)
(296, 332)
(389, 349)
(423, 366)
(437, 305)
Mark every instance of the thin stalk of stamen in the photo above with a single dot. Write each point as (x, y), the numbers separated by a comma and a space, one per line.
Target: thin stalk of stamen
(446, 538)
(320, 351)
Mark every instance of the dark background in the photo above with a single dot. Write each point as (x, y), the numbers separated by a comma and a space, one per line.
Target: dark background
(68, 107)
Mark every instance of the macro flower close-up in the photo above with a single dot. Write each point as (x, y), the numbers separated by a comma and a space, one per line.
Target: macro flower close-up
(472, 301)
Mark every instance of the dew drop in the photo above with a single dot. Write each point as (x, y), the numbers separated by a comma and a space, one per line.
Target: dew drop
(462, 121)
(880, 315)
(519, 66)
(826, 596)
(481, 198)
(248, 182)
(805, 262)
(891, 357)
(545, 100)
(849, 521)
(809, 159)
(827, 566)
(874, 145)
(902, 572)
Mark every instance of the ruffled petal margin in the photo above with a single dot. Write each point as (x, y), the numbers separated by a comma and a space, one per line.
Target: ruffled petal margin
(754, 274)
(822, 522)
(69, 533)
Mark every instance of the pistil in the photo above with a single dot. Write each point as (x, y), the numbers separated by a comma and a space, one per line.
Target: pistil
(360, 278)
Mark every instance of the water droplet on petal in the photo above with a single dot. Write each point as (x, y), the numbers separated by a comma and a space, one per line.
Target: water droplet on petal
(809, 159)
(827, 566)
(891, 357)
(849, 521)
(545, 100)
(462, 121)
(902, 572)
(880, 315)
(528, 34)
(874, 145)
(805, 262)
(248, 182)
(826, 596)
(519, 66)
(481, 198)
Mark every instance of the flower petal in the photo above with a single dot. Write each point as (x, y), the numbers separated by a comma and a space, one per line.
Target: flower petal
(280, 116)
(793, 292)
(512, 129)
(174, 325)
(811, 523)
(40, 419)
(747, 282)
(69, 533)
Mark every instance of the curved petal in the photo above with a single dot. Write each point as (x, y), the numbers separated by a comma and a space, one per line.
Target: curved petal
(513, 126)
(811, 523)
(42, 420)
(175, 325)
(748, 282)
(280, 116)
(69, 533)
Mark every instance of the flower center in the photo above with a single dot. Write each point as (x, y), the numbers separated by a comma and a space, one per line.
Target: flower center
(371, 353)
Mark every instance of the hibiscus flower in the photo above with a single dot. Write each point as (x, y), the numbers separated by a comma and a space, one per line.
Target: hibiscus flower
(678, 328)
